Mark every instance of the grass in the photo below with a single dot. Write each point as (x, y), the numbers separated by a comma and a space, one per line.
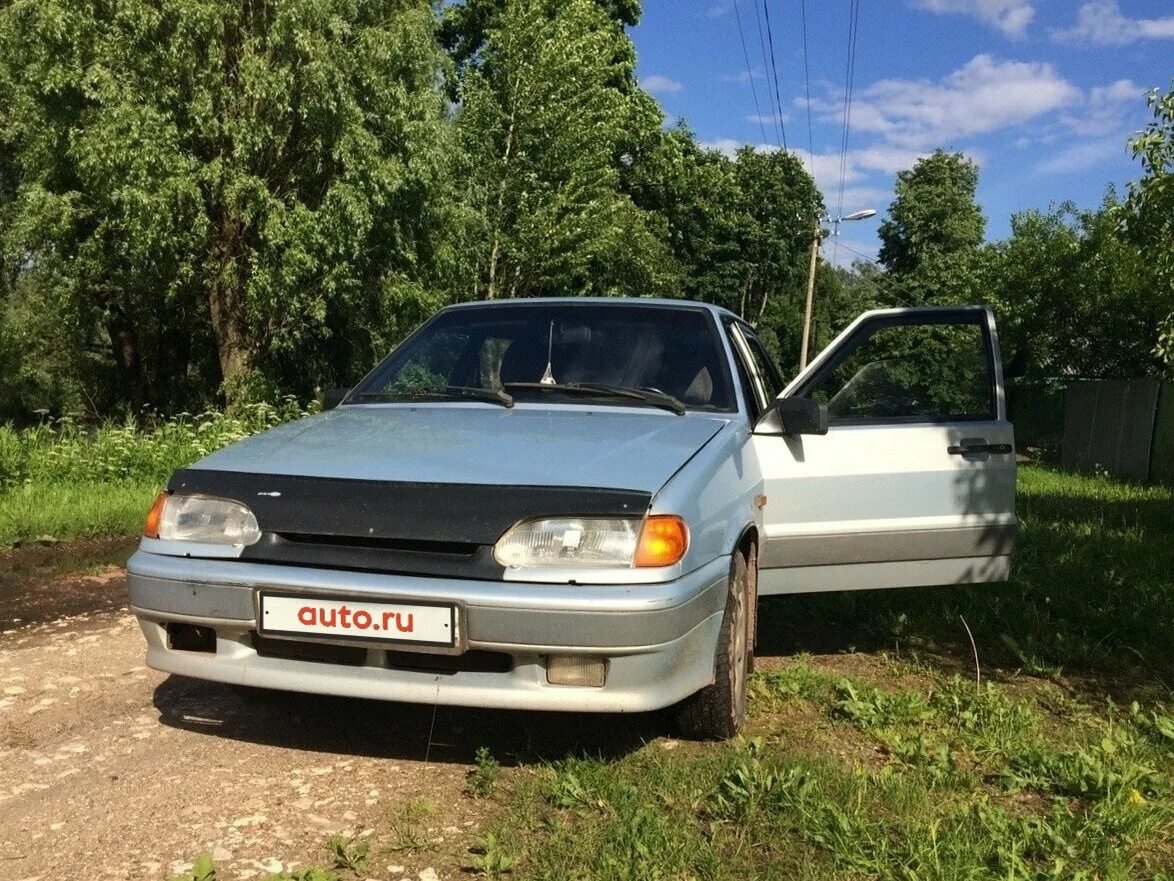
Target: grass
(63, 480)
(67, 511)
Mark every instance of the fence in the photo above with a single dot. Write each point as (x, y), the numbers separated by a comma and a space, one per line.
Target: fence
(1124, 428)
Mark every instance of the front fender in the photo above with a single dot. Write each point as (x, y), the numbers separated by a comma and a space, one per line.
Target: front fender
(717, 493)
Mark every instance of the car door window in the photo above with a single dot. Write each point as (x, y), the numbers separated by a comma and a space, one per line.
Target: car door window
(898, 370)
(772, 378)
(755, 401)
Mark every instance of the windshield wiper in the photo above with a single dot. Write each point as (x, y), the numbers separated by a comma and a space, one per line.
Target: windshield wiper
(490, 396)
(648, 396)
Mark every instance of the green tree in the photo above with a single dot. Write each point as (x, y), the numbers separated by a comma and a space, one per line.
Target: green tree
(695, 192)
(780, 203)
(465, 26)
(1151, 206)
(248, 175)
(1076, 294)
(739, 228)
(934, 216)
(542, 122)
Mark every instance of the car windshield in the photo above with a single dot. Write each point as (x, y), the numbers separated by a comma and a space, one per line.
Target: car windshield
(502, 352)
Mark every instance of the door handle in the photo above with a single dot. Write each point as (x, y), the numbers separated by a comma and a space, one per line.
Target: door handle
(972, 449)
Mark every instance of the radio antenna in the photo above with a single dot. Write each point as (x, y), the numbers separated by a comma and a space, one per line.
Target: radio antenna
(548, 376)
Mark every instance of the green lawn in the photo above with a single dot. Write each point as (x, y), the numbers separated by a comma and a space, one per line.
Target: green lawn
(73, 510)
(66, 480)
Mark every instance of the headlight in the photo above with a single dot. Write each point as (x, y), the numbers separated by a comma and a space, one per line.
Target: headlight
(593, 542)
(201, 519)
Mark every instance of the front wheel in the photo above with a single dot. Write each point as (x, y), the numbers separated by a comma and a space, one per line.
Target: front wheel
(718, 711)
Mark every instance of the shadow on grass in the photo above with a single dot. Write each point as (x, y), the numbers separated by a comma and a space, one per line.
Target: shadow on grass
(383, 729)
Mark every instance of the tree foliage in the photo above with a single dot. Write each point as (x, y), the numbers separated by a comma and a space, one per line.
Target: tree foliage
(196, 171)
(934, 216)
(1076, 295)
(1151, 207)
(204, 199)
(740, 229)
(542, 122)
(464, 27)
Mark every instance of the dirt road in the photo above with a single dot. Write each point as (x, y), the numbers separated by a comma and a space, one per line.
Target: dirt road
(111, 770)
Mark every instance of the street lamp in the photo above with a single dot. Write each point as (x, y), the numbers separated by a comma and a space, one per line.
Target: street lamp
(815, 239)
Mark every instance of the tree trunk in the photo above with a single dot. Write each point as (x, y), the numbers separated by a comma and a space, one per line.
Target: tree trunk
(235, 347)
(124, 346)
(233, 343)
(232, 348)
(494, 252)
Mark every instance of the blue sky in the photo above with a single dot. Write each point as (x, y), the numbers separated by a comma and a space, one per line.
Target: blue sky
(1043, 94)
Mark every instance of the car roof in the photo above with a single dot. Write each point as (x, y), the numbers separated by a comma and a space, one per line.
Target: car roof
(660, 303)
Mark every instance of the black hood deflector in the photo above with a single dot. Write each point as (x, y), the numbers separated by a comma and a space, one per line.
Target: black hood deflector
(469, 513)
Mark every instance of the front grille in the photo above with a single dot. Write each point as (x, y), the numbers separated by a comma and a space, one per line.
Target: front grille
(407, 546)
(360, 553)
(320, 652)
(352, 656)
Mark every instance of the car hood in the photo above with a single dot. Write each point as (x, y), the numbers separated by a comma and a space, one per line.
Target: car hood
(475, 444)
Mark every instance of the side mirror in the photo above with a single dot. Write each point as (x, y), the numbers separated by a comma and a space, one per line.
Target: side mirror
(332, 397)
(802, 416)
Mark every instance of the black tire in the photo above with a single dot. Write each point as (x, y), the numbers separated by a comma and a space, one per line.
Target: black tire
(718, 711)
(752, 607)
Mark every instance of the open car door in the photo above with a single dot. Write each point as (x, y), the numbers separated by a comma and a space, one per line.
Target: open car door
(914, 481)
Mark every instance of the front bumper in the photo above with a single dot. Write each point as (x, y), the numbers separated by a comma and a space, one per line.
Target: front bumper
(659, 639)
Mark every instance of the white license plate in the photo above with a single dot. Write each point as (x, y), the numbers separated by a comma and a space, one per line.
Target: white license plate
(350, 618)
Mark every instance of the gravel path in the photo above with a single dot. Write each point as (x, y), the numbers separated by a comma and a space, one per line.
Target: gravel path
(111, 770)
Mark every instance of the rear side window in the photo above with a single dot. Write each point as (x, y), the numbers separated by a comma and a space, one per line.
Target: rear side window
(896, 370)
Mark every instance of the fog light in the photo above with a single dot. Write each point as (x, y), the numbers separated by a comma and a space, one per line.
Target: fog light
(190, 638)
(574, 670)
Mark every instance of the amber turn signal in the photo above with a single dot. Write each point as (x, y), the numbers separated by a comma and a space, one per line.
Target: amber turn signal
(664, 539)
(151, 526)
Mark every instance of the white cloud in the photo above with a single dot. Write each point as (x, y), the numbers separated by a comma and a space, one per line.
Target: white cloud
(656, 84)
(763, 119)
(730, 146)
(887, 159)
(743, 76)
(1105, 108)
(1102, 23)
(1082, 156)
(859, 198)
(982, 96)
(858, 164)
(1010, 16)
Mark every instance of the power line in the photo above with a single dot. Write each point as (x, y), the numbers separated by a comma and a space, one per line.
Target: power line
(888, 279)
(849, 81)
(766, 68)
(749, 72)
(775, 74)
(807, 81)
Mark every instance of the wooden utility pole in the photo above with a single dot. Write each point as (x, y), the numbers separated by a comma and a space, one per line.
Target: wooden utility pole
(816, 235)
